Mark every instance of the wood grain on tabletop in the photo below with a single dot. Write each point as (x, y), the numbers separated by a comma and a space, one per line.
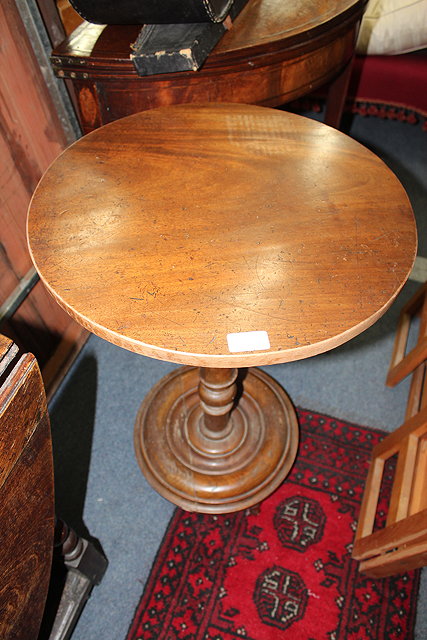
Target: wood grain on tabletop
(275, 20)
(165, 231)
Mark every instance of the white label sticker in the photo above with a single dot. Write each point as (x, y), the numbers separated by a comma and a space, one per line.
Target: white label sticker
(248, 341)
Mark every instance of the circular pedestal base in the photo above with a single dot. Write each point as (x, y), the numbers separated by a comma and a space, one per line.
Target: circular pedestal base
(200, 471)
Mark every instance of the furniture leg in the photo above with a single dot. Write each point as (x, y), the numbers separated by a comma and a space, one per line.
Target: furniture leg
(85, 568)
(337, 93)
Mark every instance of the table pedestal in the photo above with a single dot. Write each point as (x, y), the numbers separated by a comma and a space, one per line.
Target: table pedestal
(216, 440)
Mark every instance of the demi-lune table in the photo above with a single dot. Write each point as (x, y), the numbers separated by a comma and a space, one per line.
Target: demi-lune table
(221, 237)
(276, 51)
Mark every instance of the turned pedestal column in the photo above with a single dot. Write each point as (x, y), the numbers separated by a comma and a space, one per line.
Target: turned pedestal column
(216, 440)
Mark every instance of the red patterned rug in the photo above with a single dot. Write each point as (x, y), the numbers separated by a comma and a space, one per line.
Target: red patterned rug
(286, 571)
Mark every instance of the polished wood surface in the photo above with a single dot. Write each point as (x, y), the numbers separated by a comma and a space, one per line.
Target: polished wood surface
(168, 230)
(205, 459)
(26, 495)
(27, 515)
(275, 52)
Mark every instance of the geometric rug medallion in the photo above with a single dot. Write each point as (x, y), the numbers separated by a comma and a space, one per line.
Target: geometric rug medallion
(283, 570)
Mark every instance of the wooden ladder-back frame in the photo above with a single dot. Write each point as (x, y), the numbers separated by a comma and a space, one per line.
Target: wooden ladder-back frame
(402, 363)
(402, 544)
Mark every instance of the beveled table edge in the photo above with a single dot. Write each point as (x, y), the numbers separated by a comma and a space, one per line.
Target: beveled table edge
(244, 359)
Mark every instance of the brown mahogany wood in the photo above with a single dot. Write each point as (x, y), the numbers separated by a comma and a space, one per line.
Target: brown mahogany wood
(177, 231)
(217, 392)
(209, 470)
(170, 229)
(26, 495)
(275, 52)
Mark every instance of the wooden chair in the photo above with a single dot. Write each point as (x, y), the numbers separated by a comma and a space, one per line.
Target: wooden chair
(402, 544)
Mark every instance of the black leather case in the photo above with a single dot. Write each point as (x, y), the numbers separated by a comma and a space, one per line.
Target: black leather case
(152, 11)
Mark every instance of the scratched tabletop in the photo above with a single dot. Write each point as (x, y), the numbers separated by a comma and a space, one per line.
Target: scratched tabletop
(222, 235)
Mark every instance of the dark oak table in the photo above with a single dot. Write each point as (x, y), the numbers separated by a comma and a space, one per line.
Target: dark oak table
(275, 52)
(222, 237)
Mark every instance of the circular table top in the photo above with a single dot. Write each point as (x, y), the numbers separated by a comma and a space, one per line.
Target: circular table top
(170, 231)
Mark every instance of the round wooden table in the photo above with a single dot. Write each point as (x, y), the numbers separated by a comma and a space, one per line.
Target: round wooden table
(222, 237)
(275, 52)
